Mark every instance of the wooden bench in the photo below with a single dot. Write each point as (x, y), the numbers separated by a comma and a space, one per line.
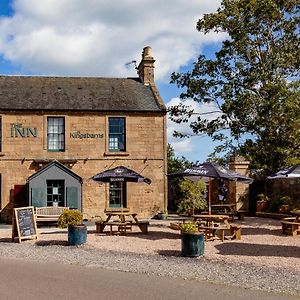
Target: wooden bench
(210, 231)
(48, 214)
(99, 226)
(235, 231)
(121, 227)
(289, 226)
(143, 225)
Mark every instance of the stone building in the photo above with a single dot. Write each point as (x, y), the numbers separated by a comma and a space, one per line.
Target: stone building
(57, 132)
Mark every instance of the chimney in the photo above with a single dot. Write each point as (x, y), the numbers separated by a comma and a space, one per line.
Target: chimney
(146, 67)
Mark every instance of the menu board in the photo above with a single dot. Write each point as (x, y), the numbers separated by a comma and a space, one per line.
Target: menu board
(24, 223)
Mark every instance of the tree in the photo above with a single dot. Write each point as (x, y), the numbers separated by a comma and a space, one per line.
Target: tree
(253, 82)
(175, 164)
(192, 196)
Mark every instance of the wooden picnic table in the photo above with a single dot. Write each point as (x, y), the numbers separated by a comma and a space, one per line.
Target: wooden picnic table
(291, 225)
(125, 221)
(211, 224)
(225, 208)
(296, 213)
(211, 219)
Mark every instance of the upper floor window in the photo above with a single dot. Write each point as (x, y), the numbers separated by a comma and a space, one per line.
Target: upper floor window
(56, 133)
(117, 138)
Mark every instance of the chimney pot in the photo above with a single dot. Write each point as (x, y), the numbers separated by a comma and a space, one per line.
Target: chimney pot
(146, 66)
(147, 52)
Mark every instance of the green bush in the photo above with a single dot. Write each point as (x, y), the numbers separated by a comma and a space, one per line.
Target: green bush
(275, 203)
(192, 196)
(70, 218)
(189, 227)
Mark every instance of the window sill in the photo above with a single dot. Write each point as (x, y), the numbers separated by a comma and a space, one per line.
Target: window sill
(116, 154)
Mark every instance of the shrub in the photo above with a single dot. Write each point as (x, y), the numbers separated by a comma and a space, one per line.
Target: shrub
(70, 218)
(189, 227)
(192, 196)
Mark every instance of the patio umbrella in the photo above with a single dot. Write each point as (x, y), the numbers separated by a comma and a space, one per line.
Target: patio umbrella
(210, 170)
(291, 172)
(121, 174)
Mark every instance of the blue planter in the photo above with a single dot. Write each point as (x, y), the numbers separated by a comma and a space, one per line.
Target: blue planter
(77, 235)
(192, 244)
(162, 216)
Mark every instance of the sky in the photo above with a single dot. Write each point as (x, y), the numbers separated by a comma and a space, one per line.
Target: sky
(99, 38)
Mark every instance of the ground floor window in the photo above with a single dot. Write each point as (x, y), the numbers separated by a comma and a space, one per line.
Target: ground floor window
(55, 192)
(117, 194)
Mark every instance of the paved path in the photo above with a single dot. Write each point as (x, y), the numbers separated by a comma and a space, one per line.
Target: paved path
(27, 280)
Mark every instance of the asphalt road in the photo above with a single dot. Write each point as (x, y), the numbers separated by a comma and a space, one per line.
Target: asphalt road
(29, 280)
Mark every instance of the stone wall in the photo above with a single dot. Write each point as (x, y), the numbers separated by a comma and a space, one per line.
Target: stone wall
(87, 143)
(239, 192)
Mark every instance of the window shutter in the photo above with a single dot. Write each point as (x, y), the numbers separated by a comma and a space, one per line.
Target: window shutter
(72, 197)
(38, 197)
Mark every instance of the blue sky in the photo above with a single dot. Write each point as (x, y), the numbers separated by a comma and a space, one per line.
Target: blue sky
(98, 38)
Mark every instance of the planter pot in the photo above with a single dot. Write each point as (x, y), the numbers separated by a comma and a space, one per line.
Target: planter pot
(283, 209)
(192, 244)
(261, 206)
(77, 235)
(162, 216)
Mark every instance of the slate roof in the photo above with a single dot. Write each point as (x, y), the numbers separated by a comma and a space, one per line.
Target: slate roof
(51, 165)
(76, 94)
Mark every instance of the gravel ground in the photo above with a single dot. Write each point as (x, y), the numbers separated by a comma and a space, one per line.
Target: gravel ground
(264, 259)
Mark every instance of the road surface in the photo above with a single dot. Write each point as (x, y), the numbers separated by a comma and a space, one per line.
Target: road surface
(21, 279)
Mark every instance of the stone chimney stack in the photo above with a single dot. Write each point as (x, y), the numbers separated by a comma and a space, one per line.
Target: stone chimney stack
(146, 67)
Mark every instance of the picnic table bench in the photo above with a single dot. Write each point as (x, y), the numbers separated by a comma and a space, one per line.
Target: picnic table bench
(228, 209)
(122, 224)
(290, 225)
(122, 227)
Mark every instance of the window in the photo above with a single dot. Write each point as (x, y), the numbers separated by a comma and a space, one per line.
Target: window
(55, 192)
(117, 194)
(116, 141)
(56, 134)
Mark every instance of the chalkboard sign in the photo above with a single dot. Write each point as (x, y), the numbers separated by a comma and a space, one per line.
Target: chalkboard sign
(24, 223)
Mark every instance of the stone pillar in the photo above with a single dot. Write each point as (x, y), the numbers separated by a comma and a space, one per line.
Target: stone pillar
(239, 192)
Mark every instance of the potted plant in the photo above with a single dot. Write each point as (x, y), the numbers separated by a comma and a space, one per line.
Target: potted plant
(77, 231)
(162, 215)
(262, 202)
(192, 241)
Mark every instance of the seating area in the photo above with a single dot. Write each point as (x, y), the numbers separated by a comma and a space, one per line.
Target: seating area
(213, 227)
(48, 214)
(228, 209)
(123, 220)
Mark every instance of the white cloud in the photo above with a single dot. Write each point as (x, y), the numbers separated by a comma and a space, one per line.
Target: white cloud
(183, 146)
(97, 37)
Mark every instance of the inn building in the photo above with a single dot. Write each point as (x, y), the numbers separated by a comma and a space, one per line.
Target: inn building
(58, 132)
